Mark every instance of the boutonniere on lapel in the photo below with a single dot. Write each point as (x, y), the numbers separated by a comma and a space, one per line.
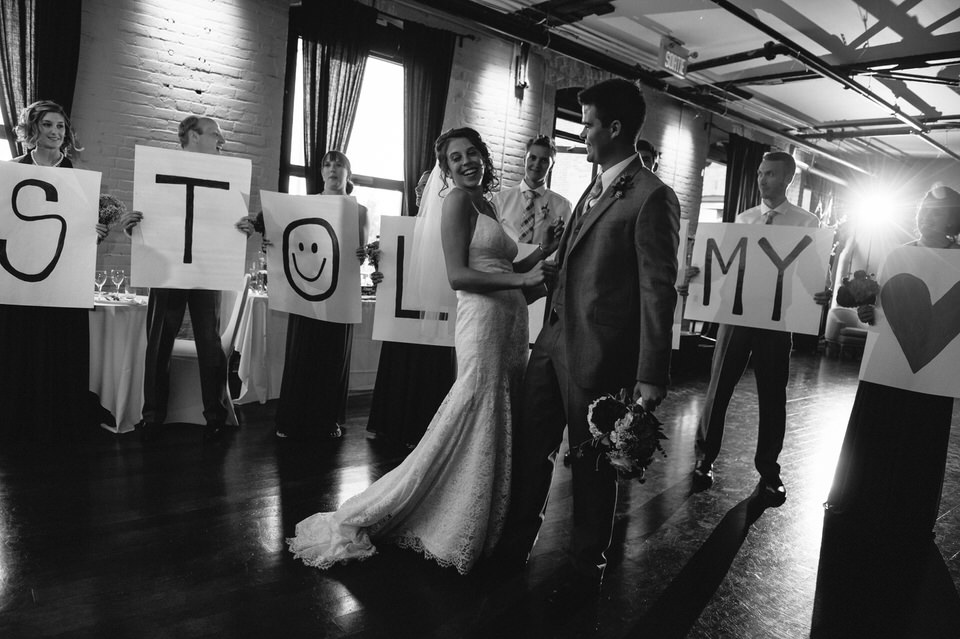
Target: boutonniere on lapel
(545, 210)
(622, 185)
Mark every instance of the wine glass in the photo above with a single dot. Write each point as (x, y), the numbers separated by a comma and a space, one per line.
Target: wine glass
(117, 276)
(100, 278)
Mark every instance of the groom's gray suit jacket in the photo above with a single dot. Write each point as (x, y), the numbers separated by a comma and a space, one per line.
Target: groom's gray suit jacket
(617, 283)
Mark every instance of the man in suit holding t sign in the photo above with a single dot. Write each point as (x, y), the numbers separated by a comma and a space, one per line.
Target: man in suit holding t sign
(608, 327)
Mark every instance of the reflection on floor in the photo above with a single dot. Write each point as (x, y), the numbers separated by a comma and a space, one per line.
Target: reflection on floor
(174, 539)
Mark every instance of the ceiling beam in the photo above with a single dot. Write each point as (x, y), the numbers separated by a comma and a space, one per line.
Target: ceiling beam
(872, 132)
(523, 28)
(903, 63)
(812, 61)
(877, 122)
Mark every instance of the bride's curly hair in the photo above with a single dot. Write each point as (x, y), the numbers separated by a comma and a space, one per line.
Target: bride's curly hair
(490, 180)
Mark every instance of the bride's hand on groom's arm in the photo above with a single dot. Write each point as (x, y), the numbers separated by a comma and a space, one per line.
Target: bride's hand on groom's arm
(649, 395)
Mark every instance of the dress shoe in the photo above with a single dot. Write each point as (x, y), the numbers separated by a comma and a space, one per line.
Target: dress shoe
(773, 492)
(702, 475)
(213, 431)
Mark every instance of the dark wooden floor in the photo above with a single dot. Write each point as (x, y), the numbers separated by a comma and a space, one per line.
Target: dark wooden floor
(114, 538)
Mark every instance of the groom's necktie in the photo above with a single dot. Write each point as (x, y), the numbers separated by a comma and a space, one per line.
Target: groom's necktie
(595, 192)
(588, 202)
(529, 219)
(769, 215)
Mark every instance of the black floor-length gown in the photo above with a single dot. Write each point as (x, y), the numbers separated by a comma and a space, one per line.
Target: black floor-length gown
(890, 472)
(44, 368)
(316, 376)
(412, 380)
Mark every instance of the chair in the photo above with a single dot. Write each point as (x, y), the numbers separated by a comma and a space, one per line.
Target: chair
(185, 403)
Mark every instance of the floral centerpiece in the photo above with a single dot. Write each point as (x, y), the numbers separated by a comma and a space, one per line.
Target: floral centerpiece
(858, 290)
(111, 209)
(624, 434)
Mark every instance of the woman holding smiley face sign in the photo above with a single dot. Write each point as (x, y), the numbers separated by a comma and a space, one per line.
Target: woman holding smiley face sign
(448, 499)
(316, 370)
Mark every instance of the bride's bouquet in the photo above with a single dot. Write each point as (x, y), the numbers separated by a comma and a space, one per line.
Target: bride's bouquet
(624, 434)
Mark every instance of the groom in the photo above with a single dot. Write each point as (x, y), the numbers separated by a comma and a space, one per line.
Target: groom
(608, 327)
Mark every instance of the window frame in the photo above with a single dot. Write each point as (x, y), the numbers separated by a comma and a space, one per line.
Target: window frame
(386, 46)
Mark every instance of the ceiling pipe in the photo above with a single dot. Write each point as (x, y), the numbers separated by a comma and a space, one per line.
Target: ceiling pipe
(825, 70)
(872, 133)
(512, 26)
(897, 64)
(878, 122)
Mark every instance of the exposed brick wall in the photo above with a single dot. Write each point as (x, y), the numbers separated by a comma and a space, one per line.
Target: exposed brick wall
(682, 137)
(146, 65)
(482, 95)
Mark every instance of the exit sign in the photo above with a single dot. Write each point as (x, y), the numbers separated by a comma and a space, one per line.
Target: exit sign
(673, 57)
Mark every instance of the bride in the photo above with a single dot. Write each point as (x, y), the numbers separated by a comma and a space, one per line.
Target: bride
(449, 497)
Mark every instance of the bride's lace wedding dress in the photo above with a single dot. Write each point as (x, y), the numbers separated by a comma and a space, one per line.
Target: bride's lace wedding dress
(448, 499)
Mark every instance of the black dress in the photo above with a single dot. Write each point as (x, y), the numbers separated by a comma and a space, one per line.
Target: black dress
(886, 488)
(316, 374)
(44, 369)
(412, 380)
(890, 471)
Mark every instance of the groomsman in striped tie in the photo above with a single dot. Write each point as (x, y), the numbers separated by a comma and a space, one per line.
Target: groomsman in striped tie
(527, 209)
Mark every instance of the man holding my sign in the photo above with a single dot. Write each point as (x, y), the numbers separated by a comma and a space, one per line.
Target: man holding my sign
(165, 316)
(769, 351)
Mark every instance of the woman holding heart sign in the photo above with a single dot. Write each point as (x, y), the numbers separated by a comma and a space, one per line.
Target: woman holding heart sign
(887, 485)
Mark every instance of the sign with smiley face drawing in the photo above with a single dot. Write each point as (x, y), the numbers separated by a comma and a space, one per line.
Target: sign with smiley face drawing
(48, 241)
(311, 260)
(916, 344)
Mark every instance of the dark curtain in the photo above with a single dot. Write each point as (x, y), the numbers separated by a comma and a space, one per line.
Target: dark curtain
(741, 191)
(58, 50)
(427, 62)
(413, 379)
(336, 42)
(822, 193)
(18, 70)
(39, 52)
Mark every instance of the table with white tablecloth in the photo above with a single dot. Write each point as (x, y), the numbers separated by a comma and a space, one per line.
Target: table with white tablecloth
(261, 342)
(118, 347)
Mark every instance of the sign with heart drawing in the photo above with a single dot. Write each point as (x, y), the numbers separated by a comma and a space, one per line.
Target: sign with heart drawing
(916, 345)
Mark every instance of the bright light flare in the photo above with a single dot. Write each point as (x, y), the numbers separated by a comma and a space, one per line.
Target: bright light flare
(874, 211)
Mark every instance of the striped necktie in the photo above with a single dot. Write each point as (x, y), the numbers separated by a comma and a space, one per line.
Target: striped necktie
(769, 215)
(595, 192)
(529, 219)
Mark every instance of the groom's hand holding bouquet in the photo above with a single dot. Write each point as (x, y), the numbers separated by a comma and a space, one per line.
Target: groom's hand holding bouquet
(625, 435)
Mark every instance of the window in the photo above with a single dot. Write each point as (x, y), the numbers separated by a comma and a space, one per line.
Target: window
(714, 186)
(572, 173)
(4, 144)
(375, 148)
